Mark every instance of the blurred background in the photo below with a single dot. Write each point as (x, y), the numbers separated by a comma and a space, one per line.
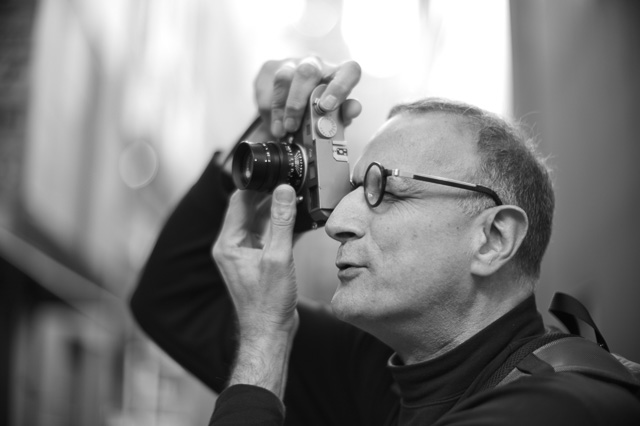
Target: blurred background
(109, 110)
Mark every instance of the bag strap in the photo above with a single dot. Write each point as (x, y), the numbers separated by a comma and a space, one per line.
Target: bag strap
(559, 352)
(511, 362)
(573, 354)
(567, 309)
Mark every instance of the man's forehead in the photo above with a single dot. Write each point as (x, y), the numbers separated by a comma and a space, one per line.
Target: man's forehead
(425, 143)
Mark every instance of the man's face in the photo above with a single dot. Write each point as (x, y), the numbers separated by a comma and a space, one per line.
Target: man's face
(409, 257)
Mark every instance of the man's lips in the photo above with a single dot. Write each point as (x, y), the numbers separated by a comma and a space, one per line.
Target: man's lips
(348, 269)
(347, 263)
(344, 264)
(349, 272)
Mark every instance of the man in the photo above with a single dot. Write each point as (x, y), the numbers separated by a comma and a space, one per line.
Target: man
(441, 241)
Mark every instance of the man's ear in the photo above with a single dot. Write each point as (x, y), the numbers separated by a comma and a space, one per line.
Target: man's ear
(500, 232)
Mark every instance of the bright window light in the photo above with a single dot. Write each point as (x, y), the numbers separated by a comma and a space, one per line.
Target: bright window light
(383, 36)
(471, 60)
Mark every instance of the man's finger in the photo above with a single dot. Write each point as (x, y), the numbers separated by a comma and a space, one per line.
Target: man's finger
(340, 85)
(281, 88)
(283, 217)
(307, 76)
(351, 108)
(263, 84)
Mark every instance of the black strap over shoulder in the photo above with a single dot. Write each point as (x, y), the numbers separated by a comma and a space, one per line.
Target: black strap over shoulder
(568, 310)
(573, 354)
(561, 352)
(497, 378)
(558, 352)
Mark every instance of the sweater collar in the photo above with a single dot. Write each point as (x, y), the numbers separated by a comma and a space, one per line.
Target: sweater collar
(444, 379)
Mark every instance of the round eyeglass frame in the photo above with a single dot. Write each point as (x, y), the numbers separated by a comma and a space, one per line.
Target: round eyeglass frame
(384, 173)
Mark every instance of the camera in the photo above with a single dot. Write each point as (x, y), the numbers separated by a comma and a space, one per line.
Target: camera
(313, 160)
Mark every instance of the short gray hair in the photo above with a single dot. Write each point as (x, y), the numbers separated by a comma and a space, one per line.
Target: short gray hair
(510, 165)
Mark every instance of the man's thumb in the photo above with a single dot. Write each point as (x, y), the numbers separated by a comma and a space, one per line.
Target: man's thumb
(283, 209)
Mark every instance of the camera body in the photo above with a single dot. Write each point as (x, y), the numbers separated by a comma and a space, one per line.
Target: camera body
(313, 160)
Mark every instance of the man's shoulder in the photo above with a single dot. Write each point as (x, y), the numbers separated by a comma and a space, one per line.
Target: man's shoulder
(576, 389)
(552, 399)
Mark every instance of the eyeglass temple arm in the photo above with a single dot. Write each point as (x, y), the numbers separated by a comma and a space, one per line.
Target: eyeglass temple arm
(449, 182)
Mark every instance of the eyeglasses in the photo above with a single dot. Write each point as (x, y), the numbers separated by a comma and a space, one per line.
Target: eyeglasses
(375, 182)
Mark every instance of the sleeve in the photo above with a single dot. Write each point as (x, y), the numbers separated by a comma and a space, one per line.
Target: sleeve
(181, 301)
(337, 373)
(247, 405)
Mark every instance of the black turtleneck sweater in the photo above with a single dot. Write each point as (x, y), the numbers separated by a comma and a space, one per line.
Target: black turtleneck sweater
(339, 375)
(429, 389)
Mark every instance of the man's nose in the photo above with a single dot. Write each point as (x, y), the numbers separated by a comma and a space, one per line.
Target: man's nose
(348, 218)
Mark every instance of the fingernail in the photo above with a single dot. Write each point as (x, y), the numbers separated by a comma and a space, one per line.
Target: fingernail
(284, 195)
(328, 103)
(277, 129)
(290, 124)
(283, 198)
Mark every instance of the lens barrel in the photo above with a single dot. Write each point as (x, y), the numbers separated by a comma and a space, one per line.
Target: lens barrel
(263, 166)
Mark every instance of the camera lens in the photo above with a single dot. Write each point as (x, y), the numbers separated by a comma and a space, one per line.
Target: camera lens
(247, 169)
(263, 166)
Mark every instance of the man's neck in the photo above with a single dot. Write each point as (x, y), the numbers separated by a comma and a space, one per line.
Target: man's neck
(422, 341)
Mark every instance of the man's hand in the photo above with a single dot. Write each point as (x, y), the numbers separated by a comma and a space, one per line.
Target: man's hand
(282, 90)
(260, 276)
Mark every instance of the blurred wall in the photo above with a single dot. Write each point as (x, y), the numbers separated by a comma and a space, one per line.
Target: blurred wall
(129, 99)
(112, 110)
(576, 70)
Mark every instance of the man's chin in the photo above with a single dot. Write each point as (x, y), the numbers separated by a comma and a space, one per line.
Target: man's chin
(348, 308)
(341, 308)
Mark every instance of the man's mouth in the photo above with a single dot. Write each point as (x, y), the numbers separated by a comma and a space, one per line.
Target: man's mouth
(349, 274)
(347, 265)
(348, 270)
(343, 266)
